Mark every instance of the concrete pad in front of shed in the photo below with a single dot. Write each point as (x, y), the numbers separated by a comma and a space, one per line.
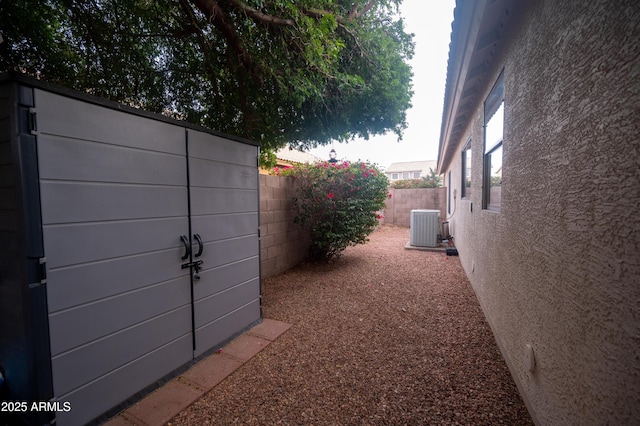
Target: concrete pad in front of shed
(245, 347)
(120, 420)
(163, 404)
(269, 329)
(210, 371)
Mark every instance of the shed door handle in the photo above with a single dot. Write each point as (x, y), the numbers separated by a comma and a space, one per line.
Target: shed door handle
(187, 246)
(200, 244)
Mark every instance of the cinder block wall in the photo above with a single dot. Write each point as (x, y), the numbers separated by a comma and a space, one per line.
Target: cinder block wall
(282, 244)
(398, 207)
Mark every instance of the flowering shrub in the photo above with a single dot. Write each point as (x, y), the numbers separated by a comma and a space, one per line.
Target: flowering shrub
(337, 203)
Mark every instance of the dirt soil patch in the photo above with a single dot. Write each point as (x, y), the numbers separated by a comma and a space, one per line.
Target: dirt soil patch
(381, 336)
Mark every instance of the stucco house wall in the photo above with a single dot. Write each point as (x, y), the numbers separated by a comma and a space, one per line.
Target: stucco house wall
(558, 267)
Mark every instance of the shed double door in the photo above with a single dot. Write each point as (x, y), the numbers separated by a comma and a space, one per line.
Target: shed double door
(129, 206)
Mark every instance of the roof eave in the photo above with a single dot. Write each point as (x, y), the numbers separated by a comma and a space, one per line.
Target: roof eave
(476, 34)
(464, 31)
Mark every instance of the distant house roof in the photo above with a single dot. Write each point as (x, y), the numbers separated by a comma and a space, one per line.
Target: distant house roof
(412, 166)
(294, 156)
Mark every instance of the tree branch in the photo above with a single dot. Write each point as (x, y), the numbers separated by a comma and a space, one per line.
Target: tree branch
(354, 14)
(319, 13)
(259, 16)
(216, 15)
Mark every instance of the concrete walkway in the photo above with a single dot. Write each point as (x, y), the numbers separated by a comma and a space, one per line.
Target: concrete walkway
(160, 406)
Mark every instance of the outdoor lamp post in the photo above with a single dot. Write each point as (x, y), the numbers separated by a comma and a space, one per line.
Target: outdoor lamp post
(332, 156)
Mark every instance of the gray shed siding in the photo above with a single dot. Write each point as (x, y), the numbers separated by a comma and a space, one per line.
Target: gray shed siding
(118, 190)
(106, 204)
(24, 348)
(223, 179)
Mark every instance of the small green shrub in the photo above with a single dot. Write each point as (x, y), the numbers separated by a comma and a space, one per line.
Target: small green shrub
(338, 203)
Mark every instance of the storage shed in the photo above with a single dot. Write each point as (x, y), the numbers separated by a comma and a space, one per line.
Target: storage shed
(129, 248)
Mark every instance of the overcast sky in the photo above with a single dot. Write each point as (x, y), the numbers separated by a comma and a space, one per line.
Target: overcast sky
(430, 22)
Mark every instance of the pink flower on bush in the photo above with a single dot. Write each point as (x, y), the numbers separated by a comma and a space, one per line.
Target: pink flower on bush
(389, 195)
(330, 195)
(379, 216)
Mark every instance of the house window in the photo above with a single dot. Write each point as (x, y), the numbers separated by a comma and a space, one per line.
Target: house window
(466, 171)
(493, 130)
(394, 176)
(416, 175)
(449, 194)
(405, 175)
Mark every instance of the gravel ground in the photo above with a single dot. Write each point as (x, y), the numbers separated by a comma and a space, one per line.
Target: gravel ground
(381, 336)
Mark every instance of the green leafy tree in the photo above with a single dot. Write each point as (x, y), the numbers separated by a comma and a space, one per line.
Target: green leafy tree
(338, 203)
(304, 72)
(268, 159)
